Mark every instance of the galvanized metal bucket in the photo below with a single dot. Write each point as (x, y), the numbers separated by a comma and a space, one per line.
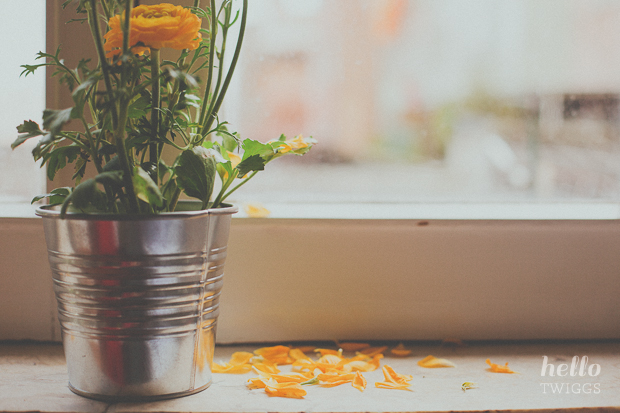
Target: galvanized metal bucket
(138, 299)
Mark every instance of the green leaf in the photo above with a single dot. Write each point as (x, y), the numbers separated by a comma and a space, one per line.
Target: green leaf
(145, 188)
(253, 163)
(87, 194)
(112, 178)
(252, 147)
(28, 129)
(56, 196)
(196, 173)
(54, 120)
(80, 94)
(113, 165)
(139, 107)
(59, 157)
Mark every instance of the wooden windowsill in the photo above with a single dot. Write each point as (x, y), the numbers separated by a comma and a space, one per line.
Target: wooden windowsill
(33, 377)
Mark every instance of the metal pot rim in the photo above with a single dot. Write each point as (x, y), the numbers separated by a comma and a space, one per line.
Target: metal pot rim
(190, 209)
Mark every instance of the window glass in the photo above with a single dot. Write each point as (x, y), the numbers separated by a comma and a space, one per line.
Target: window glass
(23, 98)
(433, 100)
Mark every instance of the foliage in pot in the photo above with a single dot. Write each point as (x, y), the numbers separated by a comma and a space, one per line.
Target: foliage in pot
(133, 104)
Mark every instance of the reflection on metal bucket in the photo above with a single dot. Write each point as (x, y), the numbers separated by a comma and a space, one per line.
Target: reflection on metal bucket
(138, 300)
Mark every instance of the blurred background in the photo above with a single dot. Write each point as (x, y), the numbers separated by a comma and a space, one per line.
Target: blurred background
(410, 100)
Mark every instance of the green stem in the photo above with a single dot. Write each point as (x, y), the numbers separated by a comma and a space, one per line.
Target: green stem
(175, 199)
(155, 105)
(213, 34)
(93, 146)
(231, 70)
(221, 199)
(94, 24)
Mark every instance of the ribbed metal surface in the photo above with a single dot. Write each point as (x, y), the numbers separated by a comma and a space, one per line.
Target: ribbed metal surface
(138, 300)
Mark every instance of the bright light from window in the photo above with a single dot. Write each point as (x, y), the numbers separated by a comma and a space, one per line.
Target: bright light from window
(23, 31)
(434, 100)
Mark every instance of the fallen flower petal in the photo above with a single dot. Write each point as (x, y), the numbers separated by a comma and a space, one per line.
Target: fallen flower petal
(267, 367)
(256, 211)
(231, 368)
(496, 368)
(359, 382)
(390, 385)
(400, 351)
(393, 377)
(373, 351)
(275, 354)
(432, 362)
(293, 390)
(256, 383)
(297, 354)
(240, 357)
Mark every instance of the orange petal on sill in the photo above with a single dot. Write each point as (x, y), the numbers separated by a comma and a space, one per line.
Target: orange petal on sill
(256, 211)
(359, 382)
(267, 367)
(496, 368)
(240, 357)
(293, 390)
(330, 359)
(390, 385)
(304, 364)
(297, 354)
(231, 368)
(372, 351)
(392, 377)
(400, 351)
(353, 346)
(256, 383)
(432, 362)
(275, 354)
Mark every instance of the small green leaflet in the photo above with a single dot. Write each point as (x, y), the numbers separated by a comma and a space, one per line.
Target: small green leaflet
(145, 188)
(28, 129)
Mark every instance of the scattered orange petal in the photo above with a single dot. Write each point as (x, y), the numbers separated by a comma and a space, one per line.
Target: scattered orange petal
(359, 382)
(256, 211)
(231, 368)
(267, 367)
(372, 351)
(256, 383)
(304, 364)
(496, 368)
(240, 357)
(275, 354)
(353, 346)
(400, 351)
(393, 377)
(297, 354)
(389, 385)
(293, 390)
(432, 362)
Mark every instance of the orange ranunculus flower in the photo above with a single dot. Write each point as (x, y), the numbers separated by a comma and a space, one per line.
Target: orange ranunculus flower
(155, 27)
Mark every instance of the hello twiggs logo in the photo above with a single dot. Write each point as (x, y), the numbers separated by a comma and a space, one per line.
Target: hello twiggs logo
(578, 367)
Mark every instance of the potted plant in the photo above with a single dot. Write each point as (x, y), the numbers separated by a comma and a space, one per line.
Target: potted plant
(137, 272)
